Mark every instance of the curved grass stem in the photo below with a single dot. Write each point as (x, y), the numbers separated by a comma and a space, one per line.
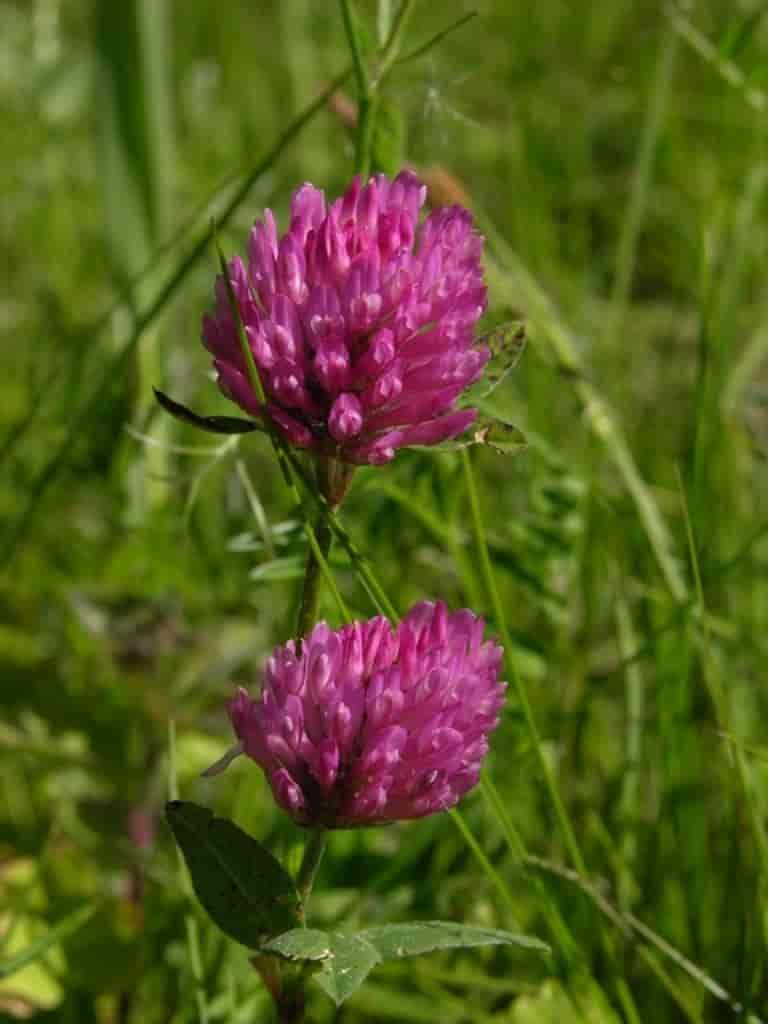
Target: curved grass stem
(486, 570)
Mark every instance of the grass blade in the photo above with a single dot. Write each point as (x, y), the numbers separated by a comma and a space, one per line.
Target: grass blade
(67, 926)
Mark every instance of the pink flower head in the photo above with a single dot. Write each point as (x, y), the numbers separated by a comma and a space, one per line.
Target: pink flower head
(370, 723)
(360, 320)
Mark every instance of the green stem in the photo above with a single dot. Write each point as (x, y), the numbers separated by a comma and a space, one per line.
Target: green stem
(365, 98)
(423, 48)
(364, 141)
(331, 481)
(313, 854)
(358, 63)
(326, 512)
(486, 570)
(368, 86)
(391, 47)
(310, 595)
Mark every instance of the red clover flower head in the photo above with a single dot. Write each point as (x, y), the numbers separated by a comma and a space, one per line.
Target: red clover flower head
(360, 320)
(371, 724)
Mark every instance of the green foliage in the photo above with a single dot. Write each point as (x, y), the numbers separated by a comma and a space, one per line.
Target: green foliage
(346, 960)
(240, 884)
(614, 155)
(39, 948)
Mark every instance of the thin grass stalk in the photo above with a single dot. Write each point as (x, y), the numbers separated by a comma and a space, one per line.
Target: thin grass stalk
(602, 420)
(629, 801)
(559, 929)
(383, 20)
(317, 559)
(489, 579)
(118, 363)
(438, 37)
(631, 928)
(257, 509)
(626, 256)
(366, 100)
(390, 52)
(135, 121)
(190, 923)
(488, 868)
(361, 565)
(719, 701)
(320, 538)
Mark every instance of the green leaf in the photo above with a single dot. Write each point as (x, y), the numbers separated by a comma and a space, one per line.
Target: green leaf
(239, 883)
(506, 342)
(351, 962)
(301, 944)
(213, 424)
(410, 939)
(346, 960)
(291, 567)
(504, 438)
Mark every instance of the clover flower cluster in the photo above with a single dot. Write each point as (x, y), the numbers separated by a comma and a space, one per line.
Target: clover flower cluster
(360, 321)
(370, 724)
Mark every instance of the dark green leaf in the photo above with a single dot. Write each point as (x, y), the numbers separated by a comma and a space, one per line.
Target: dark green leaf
(213, 424)
(410, 939)
(239, 883)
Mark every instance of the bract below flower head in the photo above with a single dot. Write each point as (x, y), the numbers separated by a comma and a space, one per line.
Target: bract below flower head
(371, 724)
(360, 320)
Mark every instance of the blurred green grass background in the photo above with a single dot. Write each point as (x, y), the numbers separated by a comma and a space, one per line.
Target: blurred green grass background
(615, 154)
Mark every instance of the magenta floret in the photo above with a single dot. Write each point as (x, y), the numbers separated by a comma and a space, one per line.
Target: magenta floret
(371, 724)
(360, 320)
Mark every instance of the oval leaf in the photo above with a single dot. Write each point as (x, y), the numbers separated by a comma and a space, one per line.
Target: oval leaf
(243, 888)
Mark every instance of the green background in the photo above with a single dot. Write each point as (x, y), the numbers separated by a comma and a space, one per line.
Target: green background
(615, 156)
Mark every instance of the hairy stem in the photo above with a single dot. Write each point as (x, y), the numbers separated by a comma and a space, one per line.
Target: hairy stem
(310, 595)
(332, 481)
(313, 854)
